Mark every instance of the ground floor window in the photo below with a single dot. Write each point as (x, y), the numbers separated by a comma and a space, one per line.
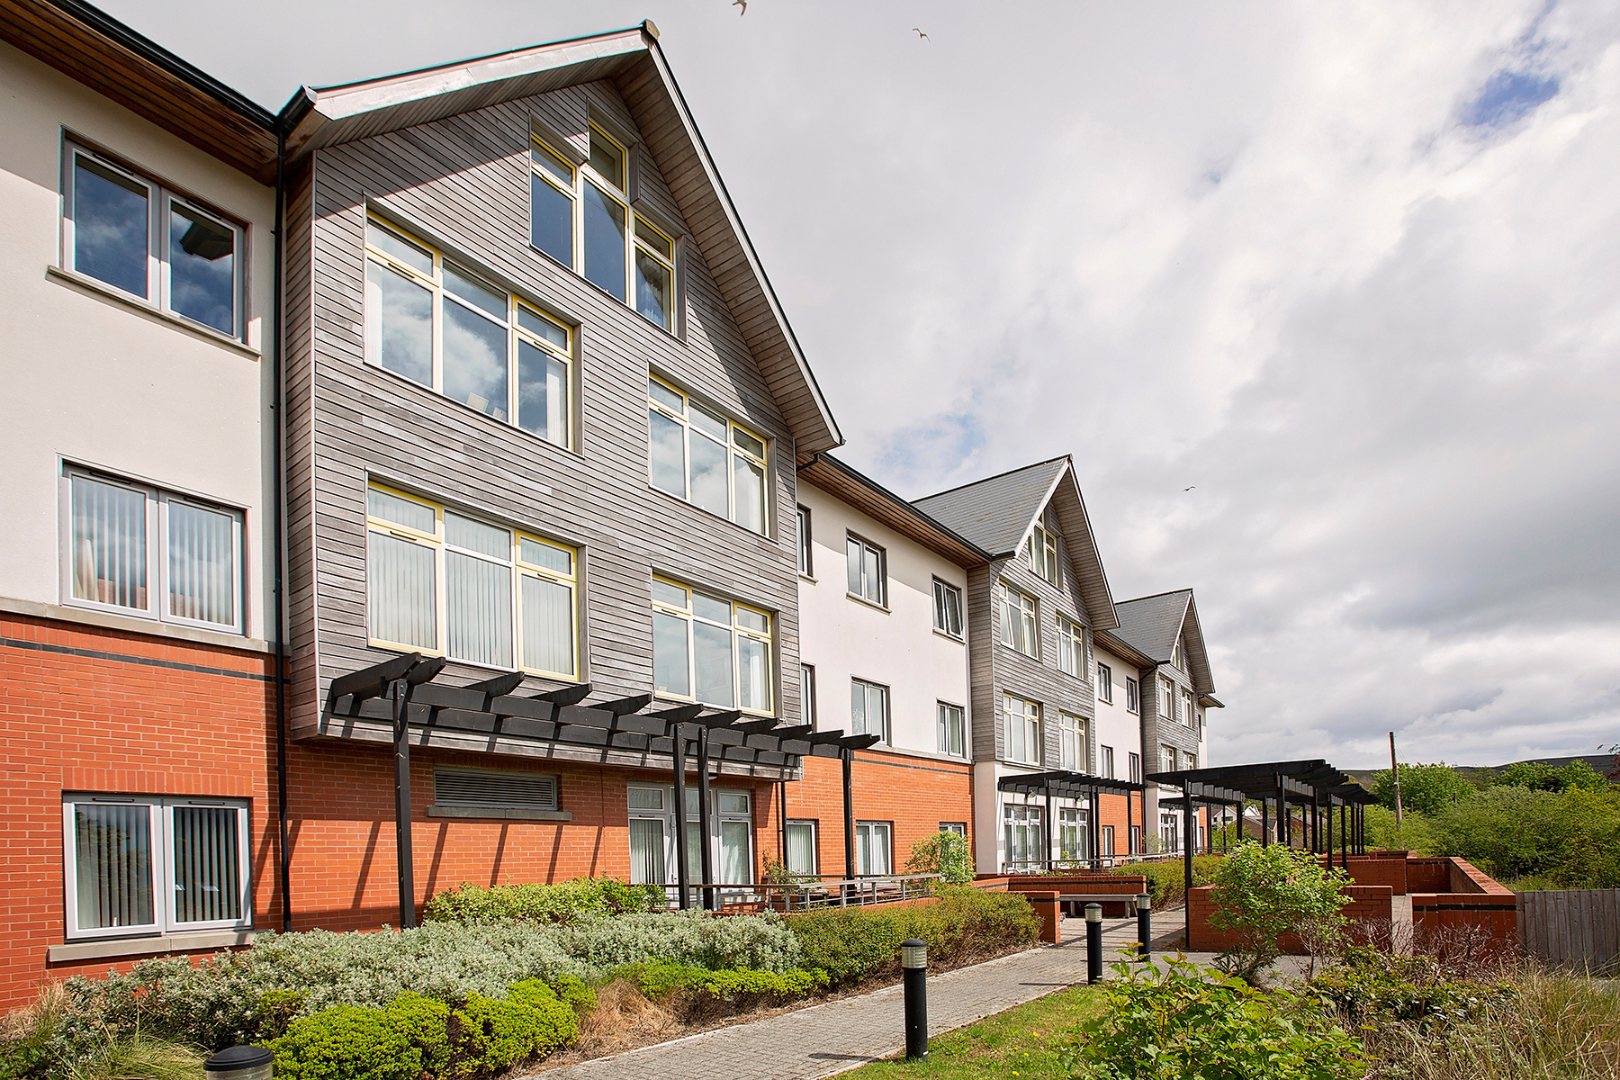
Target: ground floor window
(872, 847)
(957, 827)
(801, 847)
(1107, 837)
(1073, 837)
(652, 836)
(141, 865)
(1169, 830)
(1022, 829)
(1136, 840)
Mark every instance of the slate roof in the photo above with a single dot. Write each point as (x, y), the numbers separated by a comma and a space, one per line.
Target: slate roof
(995, 512)
(1150, 624)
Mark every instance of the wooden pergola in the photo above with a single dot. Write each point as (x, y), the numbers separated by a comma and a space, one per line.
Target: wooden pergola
(404, 693)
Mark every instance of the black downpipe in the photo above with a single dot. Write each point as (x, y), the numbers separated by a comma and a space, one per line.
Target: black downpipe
(280, 572)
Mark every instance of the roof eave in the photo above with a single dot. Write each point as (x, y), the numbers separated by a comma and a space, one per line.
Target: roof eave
(859, 490)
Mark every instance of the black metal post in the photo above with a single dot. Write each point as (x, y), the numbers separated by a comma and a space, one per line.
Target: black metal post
(683, 868)
(1344, 840)
(1144, 924)
(1049, 824)
(1095, 831)
(914, 968)
(1265, 822)
(1330, 832)
(1187, 838)
(849, 812)
(705, 848)
(399, 691)
(1093, 942)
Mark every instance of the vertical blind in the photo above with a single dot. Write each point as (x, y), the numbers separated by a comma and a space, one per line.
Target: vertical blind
(646, 851)
(202, 564)
(207, 866)
(113, 859)
(548, 625)
(402, 591)
(109, 543)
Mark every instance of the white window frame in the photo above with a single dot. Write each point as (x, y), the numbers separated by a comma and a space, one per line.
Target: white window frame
(665, 812)
(864, 687)
(156, 503)
(1167, 758)
(951, 728)
(1133, 695)
(957, 827)
(1105, 763)
(1187, 707)
(1016, 710)
(1029, 821)
(857, 585)
(1105, 683)
(739, 630)
(1105, 841)
(815, 846)
(807, 695)
(866, 840)
(1074, 834)
(1134, 761)
(161, 830)
(1043, 556)
(736, 450)
(1167, 699)
(1073, 745)
(1071, 647)
(512, 325)
(616, 189)
(159, 203)
(948, 612)
(807, 565)
(1015, 606)
(520, 569)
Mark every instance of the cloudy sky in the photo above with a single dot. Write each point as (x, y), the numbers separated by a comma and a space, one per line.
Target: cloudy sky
(1351, 273)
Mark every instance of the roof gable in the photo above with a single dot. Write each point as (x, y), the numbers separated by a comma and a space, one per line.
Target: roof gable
(999, 512)
(1152, 624)
(633, 62)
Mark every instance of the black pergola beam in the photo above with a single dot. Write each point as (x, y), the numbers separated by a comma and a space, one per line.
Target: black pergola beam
(567, 695)
(500, 685)
(624, 706)
(372, 681)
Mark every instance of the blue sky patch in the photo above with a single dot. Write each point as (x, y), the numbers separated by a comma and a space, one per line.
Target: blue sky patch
(1507, 96)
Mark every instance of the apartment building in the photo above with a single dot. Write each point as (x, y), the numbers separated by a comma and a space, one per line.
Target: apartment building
(520, 410)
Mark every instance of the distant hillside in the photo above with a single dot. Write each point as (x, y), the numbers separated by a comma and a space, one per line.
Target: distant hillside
(1603, 763)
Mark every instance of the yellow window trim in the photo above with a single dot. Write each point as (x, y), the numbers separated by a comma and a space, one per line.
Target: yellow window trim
(624, 162)
(405, 234)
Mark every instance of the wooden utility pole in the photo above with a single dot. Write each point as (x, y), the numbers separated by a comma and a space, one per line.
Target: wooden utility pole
(1395, 773)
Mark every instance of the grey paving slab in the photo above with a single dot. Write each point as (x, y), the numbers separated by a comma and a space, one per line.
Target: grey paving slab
(826, 1039)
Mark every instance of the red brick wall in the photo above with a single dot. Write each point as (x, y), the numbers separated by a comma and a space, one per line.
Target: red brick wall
(121, 724)
(916, 794)
(1375, 870)
(1428, 875)
(1476, 913)
(1368, 903)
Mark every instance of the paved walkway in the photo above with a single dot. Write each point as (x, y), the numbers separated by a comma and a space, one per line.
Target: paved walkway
(826, 1039)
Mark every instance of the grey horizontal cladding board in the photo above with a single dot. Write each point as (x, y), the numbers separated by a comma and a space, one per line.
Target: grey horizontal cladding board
(298, 332)
(450, 183)
(981, 674)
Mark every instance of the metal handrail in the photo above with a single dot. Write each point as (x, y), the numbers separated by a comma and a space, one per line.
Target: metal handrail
(809, 891)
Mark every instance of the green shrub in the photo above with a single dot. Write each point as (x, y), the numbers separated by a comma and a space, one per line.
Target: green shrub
(573, 992)
(1414, 834)
(1261, 892)
(563, 902)
(1167, 880)
(352, 1043)
(943, 853)
(1370, 988)
(694, 991)
(1572, 839)
(851, 944)
(1428, 789)
(490, 1035)
(760, 942)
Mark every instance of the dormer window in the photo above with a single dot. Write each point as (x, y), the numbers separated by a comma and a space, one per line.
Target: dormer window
(621, 252)
(1043, 555)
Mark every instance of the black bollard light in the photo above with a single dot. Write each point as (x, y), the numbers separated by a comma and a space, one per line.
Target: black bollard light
(914, 966)
(1144, 924)
(240, 1063)
(1093, 942)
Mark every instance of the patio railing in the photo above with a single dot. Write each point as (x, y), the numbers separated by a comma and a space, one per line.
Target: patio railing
(807, 892)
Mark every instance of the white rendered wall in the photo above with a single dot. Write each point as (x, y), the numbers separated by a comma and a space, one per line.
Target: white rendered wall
(844, 638)
(1115, 726)
(87, 378)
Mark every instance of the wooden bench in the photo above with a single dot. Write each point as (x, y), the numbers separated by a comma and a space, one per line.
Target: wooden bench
(1074, 903)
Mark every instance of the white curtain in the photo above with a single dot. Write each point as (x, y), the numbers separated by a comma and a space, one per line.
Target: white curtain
(202, 564)
(801, 847)
(403, 606)
(548, 625)
(646, 851)
(109, 544)
(207, 866)
(736, 862)
(113, 864)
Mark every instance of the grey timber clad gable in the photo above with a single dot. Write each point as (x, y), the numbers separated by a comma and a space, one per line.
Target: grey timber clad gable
(462, 184)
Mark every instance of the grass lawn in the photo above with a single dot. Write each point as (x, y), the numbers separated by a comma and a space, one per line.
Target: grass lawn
(1014, 1043)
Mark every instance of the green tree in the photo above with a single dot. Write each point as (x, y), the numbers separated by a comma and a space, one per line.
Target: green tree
(1263, 892)
(1428, 789)
(1580, 774)
(943, 853)
(1535, 775)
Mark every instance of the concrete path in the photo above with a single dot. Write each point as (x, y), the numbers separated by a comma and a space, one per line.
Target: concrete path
(827, 1039)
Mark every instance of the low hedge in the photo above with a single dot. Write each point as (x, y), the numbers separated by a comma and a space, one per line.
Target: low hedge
(415, 1035)
(851, 944)
(1167, 880)
(694, 991)
(560, 903)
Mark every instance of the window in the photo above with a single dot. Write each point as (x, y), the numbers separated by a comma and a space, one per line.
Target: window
(623, 253)
(710, 650)
(1133, 695)
(1022, 720)
(1187, 709)
(700, 456)
(1179, 658)
(439, 325)
(142, 865)
(801, 847)
(1071, 647)
(1074, 843)
(806, 564)
(141, 551)
(485, 788)
(652, 836)
(957, 827)
(947, 609)
(1134, 839)
(1105, 683)
(1169, 830)
(951, 735)
(156, 245)
(872, 847)
(1107, 763)
(807, 695)
(1043, 555)
(1017, 618)
(1134, 761)
(868, 572)
(868, 709)
(1167, 758)
(1071, 742)
(439, 581)
(1189, 761)
(1023, 836)
(1106, 839)
(1167, 699)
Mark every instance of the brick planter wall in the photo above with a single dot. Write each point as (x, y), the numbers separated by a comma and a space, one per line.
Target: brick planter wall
(1368, 903)
(1477, 914)
(1377, 870)
(1126, 886)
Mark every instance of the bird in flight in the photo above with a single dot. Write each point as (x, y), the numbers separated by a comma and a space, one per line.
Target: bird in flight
(1189, 488)
(740, 4)
(922, 35)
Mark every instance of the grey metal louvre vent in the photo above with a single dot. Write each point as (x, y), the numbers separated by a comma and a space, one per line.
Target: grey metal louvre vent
(515, 790)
